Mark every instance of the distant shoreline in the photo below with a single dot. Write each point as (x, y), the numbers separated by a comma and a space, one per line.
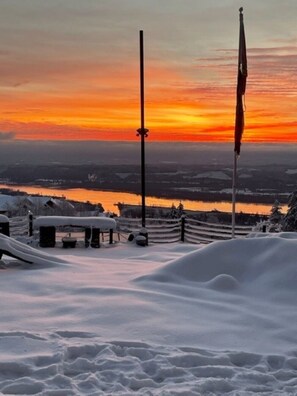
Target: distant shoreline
(110, 199)
(252, 198)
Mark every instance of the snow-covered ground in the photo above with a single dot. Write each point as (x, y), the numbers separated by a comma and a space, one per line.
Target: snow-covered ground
(211, 175)
(174, 319)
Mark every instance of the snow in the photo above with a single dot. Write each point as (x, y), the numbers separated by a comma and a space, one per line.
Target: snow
(239, 191)
(192, 189)
(8, 202)
(98, 222)
(291, 171)
(123, 175)
(212, 175)
(4, 219)
(172, 319)
(23, 252)
(244, 176)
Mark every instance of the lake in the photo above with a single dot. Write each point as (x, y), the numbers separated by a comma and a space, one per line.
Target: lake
(109, 198)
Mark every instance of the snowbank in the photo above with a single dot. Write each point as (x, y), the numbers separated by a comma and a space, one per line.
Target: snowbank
(162, 320)
(23, 252)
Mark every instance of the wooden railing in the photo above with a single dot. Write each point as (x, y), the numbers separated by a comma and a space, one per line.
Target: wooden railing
(19, 226)
(183, 229)
(201, 232)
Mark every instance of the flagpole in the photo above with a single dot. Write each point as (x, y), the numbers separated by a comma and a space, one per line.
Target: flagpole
(142, 131)
(239, 118)
(234, 193)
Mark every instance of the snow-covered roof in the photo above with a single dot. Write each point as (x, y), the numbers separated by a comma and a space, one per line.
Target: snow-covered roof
(10, 201)
(4, 219)
(96, 222)
(5, 201)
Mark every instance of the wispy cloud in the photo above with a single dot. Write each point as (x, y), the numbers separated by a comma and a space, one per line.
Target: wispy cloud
(7, 135)
(71, 67)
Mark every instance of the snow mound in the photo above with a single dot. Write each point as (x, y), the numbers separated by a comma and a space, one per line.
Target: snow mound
(223, 282)
(258, 264)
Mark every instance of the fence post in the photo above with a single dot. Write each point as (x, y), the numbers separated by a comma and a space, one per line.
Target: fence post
(30, 216)
(183, 223)
(111, 236)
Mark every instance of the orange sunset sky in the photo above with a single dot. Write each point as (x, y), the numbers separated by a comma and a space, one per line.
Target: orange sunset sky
(69, 69)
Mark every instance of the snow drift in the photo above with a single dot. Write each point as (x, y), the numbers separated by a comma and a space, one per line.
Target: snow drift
(162, 320)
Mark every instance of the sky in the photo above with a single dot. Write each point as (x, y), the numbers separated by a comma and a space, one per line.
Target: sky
(69, 69)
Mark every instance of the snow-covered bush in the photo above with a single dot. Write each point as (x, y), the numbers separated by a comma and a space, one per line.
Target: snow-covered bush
(267, 226)
(290, 219)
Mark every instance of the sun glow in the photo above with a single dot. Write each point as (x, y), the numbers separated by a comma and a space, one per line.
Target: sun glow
(100, 100)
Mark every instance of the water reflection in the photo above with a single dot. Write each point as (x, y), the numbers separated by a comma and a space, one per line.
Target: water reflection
(109, 198)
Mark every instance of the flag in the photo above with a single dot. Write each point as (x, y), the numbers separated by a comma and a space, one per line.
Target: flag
(241, 84)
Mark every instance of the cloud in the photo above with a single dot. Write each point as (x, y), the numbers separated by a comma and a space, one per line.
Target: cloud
(7, 135)
(272, 73)
(70, 68)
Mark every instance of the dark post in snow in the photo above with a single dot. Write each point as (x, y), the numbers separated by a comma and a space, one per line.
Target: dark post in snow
(30, 217)
(142, 131)
(183, 223)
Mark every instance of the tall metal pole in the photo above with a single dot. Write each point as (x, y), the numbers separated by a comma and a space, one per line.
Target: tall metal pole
(142, 131)
(234, 194)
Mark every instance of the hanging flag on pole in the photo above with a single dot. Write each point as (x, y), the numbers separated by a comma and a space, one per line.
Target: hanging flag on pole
(239, 120)
(241, 84)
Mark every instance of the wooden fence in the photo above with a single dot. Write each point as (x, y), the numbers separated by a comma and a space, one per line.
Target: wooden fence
(184, 229)
(159, 230)
(19, 226)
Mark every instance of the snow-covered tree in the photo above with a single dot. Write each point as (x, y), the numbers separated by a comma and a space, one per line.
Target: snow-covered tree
(173, 212)
(290, 219)
(180, 210)
(275, 213)
(92, 177)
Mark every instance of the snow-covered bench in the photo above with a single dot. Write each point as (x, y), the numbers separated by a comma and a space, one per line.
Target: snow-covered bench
(93, 227)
